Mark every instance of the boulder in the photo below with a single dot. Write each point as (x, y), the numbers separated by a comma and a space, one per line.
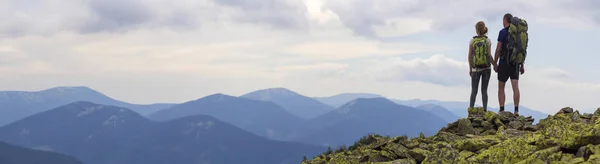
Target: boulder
(461, 127)
(516, 124)
(402, 161)
(506, 117)
(418, 154)
(464, 127)
(489, 116)
(476, 112)
(476, 144)
(565, 110)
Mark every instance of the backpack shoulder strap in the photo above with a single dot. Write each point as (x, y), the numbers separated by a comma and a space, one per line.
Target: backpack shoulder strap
(476, 36)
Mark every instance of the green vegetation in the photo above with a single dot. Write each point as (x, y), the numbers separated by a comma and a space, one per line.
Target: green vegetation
(485, 137)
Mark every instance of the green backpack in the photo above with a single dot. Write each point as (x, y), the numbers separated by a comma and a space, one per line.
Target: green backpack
(480, 52)
(517, 41)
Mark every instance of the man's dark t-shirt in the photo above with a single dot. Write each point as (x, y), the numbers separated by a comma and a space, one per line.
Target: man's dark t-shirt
(505, 70)
(503, 38)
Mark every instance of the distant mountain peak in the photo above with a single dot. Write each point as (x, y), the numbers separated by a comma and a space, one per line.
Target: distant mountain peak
(343, 98)
(85, 108)
(69, 89)
(346, 108)
(279, 90)
(82, 103)
(295, 103)
(78, 114)
(374, 99)
(364, 95)
(429, 106)
(270, 93)
(218, 97)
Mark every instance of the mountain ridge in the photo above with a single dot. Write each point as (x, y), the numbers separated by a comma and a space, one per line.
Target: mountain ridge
(343, 98)
(369, 115)
(251, 115)
(97, 133)
(439, 111)
(15, 105)
(295, 103)
(456, 107)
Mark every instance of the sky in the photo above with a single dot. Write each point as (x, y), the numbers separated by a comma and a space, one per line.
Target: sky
(148, 51)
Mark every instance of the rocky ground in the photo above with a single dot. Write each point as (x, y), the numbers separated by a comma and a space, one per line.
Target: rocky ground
(484, 137)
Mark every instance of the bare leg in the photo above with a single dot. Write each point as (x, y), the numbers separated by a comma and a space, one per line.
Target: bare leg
(501, 95)
(516, 93)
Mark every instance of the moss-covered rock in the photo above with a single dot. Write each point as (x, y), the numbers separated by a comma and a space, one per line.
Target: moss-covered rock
(565, 110)
(516, 124)
(466, 154)
(509, 151)
(486, 137)
(505, 117)
(477, 122)
(530, 127)
(475, 144)
(442, 155)
(489, 116)
(461, 127)
(399, 161)
(418, 154)
(476, 112)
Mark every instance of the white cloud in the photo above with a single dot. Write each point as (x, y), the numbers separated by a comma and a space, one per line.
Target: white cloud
(281, 13)
(319, 14)
(437, 69)
(46, 17)
(215, 49)
(384, 18)
(397, 27)
(173, 51)
(357, 48)
(314, 67)
(367, 17)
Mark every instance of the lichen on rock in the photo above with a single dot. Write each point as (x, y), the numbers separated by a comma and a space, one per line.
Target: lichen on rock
(487, 137)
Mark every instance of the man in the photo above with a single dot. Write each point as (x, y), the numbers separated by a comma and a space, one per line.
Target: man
(506, 70)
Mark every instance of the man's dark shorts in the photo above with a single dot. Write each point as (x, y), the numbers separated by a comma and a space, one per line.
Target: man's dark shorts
(506, 71)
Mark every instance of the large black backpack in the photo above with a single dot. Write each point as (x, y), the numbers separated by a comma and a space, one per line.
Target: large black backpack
(517, 41)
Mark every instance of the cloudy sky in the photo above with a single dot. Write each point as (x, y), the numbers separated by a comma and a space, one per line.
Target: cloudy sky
(145, 51)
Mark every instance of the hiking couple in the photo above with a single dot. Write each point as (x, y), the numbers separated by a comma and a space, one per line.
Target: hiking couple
(507, 61)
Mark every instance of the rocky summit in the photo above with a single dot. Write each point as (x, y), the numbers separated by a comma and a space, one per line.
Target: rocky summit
(484, 137)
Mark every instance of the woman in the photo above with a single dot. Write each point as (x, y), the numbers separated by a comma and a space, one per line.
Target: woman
(480, 58)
